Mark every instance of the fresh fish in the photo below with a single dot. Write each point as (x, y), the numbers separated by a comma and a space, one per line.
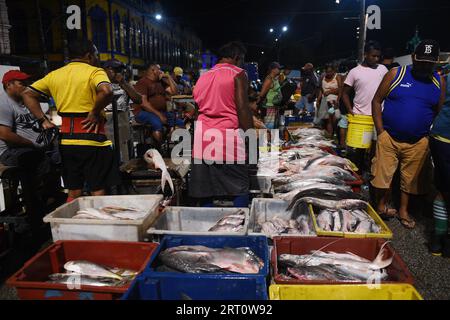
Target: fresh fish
(153, 157)
(83, 216)
(331, 204)
(337, 221)
(232, 222)
(324, 195)
(114, 209)
(200, 259)
(325, 220)
(98, 214)
(130, 215)
(227, 227)
(328, 160)
(90, 269)
(73, 279)
(318, 258)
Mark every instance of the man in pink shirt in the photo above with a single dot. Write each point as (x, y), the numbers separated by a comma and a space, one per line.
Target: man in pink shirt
(364, 80)
(219, 168)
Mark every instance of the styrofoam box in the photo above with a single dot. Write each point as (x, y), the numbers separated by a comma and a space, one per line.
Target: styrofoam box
(66, 228)
(194, 221)
(264, 209)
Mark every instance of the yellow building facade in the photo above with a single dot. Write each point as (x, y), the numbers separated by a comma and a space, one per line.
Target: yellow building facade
(125, 30)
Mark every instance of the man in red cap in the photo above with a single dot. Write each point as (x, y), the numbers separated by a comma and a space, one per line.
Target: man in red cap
(19, 131)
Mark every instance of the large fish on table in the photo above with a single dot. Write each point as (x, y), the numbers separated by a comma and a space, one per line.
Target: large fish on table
(201, 259)
(347, 204)
(153, 157)
(325, 197)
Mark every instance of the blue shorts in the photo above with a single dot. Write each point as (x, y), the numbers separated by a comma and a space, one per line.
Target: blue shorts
(304, 104)
(155, 122)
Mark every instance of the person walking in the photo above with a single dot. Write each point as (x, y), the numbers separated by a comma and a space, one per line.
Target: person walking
(81, 92)
(440, 151)
(364, 80)
(270, 95)
(412, 95)
(309, 84)
(328, 99)
(222, 97)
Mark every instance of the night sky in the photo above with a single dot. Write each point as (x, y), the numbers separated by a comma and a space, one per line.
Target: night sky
(317, 31)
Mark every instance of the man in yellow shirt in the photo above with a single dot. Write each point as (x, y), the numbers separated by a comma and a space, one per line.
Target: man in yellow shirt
(81, 92)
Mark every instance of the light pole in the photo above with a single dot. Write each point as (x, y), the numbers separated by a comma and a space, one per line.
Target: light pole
(362, 29)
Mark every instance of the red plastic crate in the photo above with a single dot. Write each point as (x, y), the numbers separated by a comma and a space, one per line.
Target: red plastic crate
(367, 248)
(30, 281)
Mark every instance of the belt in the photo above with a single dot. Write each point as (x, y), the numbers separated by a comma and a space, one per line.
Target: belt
(72, 128)
(410, 141)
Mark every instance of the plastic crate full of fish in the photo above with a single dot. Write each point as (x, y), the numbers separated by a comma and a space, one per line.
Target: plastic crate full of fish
(205, 268)
(200, 221)
(113, 218)
(82, 270)
(326, 260)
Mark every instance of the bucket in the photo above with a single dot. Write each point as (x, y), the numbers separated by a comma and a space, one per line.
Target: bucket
(360, 131)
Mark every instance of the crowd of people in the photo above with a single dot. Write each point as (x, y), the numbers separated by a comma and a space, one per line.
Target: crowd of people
(409, 105)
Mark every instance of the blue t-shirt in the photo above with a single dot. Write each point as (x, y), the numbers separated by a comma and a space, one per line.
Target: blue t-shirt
(441, 126)
(408, 109)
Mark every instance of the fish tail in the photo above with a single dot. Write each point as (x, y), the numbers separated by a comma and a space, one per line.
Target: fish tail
(378, 261)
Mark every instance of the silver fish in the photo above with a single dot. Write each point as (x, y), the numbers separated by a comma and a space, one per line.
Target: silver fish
(98, 214)
(115, 209)
(332, 204)
(232, 222)
(153, 157)
(90, 269)
(72, 279)
(325, 220)
(200, 259)
(130, 215)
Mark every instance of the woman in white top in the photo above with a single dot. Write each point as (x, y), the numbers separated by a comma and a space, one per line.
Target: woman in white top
(329, 97)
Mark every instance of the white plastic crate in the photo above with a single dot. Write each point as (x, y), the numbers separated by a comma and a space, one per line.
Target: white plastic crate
(65, 228)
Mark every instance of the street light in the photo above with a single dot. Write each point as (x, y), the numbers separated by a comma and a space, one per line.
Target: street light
(158, 16)
(271, 30)
(262, 52)
(285, 29)
(276, 40)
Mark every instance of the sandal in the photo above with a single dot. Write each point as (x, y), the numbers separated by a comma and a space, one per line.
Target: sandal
(407, 223)
(388, 213)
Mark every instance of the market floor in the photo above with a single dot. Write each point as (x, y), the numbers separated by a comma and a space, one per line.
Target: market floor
(432, 274)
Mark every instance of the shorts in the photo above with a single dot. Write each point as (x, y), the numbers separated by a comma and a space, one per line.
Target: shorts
(155, 122)
(270, 118)
(343, 123)
(303, 103)
(91, 167)
(440, 151)
(218, 180)
(414, 164)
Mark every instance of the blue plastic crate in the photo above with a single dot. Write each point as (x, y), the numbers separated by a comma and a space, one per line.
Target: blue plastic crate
(307, 119)
(194, 287)
(152, 285)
